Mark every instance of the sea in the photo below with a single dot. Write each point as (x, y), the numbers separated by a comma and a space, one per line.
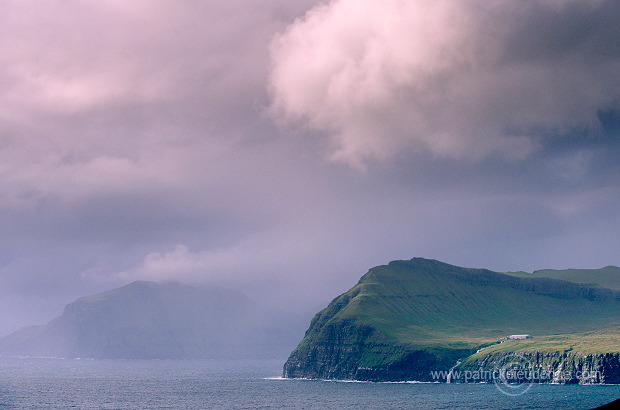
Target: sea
(29, 383)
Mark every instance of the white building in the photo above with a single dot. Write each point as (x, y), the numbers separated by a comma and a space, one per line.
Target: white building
(518, 337)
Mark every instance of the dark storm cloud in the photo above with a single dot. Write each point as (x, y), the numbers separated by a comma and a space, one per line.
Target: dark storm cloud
(569, 31)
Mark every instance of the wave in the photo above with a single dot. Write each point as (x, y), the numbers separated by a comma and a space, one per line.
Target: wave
(351, 381)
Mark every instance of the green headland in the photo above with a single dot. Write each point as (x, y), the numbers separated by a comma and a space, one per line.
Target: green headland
(403, 320)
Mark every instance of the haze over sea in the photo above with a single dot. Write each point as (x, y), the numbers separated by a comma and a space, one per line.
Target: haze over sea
(29, 383)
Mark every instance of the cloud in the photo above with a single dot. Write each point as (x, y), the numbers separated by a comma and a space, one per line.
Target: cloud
(134, 143)
(125, 128)
(465, 79)
(108, 95)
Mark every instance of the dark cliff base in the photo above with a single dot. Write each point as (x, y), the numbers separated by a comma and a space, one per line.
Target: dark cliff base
(422, 365)
(539, 367)
(416, 365)
(356, 352)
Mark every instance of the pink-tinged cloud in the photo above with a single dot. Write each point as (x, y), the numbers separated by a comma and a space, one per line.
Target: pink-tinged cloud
(102, 97)
(465, 79)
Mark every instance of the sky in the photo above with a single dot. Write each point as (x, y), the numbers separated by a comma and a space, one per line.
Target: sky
(284, 147)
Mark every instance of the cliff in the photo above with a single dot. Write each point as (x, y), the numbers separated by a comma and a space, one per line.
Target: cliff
(410, 319)
(541, 367)
(352, 351)
(145, 320)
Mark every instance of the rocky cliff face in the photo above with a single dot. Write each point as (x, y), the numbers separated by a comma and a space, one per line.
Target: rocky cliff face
(349, 351)
(538, 367)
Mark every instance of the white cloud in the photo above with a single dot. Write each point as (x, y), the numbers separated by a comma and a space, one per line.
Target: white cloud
(438, 76)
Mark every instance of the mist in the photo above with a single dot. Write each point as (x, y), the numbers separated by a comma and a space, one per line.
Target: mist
(282, 149)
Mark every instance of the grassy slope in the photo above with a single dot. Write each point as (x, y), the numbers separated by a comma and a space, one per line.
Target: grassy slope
(594, 342)
(607, 277)
(429, 303)
(585, 343)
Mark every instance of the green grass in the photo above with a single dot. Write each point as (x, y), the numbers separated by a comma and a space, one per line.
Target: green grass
(607, 277)
(593, 342)
(423, 303)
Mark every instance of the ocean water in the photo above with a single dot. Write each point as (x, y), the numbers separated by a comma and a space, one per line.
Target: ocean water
(250, 384)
